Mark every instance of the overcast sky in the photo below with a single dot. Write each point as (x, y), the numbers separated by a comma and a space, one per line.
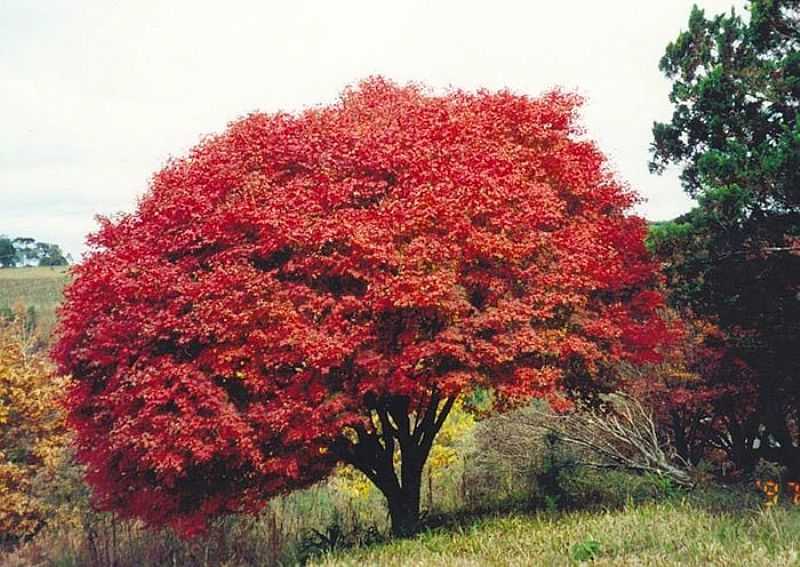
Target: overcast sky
(95, 96)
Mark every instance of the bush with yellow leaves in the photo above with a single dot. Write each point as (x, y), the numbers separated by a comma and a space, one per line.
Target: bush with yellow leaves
(32, 433)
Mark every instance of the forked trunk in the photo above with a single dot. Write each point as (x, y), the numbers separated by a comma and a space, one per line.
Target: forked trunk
(373, 453)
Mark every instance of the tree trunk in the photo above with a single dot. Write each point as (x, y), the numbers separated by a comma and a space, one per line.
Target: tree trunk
(404, 507)
(403, 494)
(407, 508)
(374, 451)
(679, 437)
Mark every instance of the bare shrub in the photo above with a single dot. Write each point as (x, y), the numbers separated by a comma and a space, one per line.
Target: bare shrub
(511, 453)
(620, 433)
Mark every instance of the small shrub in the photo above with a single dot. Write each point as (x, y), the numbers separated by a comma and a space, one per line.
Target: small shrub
(767, 470)
(507, 457)
(587, 550)
(32, 434)
(552, 476)
(611, 489)
(333, 538)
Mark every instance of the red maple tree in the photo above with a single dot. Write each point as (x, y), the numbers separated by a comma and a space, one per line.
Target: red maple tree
(310, 289)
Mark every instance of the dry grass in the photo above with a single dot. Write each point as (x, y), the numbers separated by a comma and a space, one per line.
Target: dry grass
(40, 288)
(45, 273)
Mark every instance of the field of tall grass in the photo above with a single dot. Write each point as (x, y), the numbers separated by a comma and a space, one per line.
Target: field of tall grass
(37, 291)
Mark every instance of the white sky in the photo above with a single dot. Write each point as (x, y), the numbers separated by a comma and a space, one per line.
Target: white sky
(96, 95)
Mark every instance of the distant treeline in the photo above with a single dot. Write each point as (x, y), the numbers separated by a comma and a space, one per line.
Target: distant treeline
(23, 251)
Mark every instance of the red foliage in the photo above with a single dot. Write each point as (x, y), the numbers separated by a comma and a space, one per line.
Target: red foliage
(295, 267)
(700, 391)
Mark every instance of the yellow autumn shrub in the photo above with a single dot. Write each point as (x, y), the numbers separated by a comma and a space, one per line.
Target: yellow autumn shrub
(446, 447)
(32, 433)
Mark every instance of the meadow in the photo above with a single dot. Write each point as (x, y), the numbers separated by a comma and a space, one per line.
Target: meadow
(36, 290)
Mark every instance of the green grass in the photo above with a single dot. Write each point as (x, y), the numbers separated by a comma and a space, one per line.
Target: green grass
(700, 530)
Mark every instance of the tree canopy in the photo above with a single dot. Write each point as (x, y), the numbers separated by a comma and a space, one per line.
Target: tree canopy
(8, 254)
(25, 251)
(309, 289)
(736, 257)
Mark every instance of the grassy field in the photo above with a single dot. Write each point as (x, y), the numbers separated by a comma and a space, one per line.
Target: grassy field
(32, 273)
(705, 529)
(40, 288)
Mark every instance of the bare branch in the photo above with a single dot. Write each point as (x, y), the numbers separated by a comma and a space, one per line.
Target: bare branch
(625, 436)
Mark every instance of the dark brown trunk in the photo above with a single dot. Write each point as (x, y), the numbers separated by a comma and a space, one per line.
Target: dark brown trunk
(741, 450)
(403, 493)
(679, 436)
(404, 505)
(373, 454)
